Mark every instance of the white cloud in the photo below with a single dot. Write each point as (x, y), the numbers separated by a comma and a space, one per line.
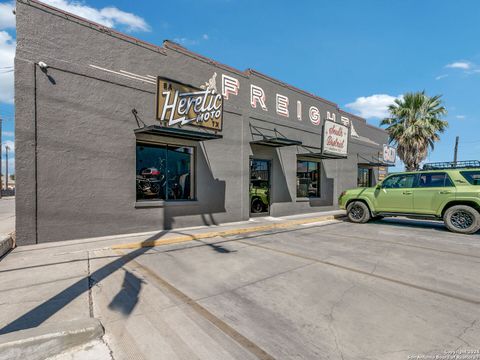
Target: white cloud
(185, 41)
(460, 117)
(7, 19)
(189, 42)
(374, 106)
(459, 65)
(439, 77)
(7, 54)
(108, 16)
(8, 133)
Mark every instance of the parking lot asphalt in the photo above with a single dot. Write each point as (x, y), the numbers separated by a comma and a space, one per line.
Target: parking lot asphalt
(334, 290)
(384, 290)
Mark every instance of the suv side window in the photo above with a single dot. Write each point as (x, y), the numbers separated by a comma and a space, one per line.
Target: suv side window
(473, 177)
(401, 181)
(427, 180)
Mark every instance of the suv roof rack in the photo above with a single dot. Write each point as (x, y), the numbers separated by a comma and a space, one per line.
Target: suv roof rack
(468, 164)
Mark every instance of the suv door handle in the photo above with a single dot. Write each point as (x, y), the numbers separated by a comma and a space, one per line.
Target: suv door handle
(445, 192)
(407, 193)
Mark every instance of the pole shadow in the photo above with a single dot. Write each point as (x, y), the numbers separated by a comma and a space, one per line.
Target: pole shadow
(47, 309)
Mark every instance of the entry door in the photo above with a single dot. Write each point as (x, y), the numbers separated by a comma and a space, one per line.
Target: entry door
(396, 194)
(259, 187)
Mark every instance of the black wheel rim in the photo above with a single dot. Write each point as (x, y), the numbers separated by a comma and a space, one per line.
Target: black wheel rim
(356, 212)
(257, 206)
(462, 219)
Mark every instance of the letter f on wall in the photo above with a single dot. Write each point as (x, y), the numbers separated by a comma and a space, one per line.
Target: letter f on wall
(257, 95)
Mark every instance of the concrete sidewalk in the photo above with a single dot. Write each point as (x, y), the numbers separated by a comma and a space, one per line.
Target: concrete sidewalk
(51, 283)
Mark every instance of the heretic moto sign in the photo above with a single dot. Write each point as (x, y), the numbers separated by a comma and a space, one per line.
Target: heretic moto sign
(335, 139)
(180, 104)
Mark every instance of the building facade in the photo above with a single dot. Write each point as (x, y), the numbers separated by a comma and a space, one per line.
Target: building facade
(115, 135)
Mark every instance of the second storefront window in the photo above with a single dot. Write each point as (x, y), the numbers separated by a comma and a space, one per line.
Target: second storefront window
(308, 179)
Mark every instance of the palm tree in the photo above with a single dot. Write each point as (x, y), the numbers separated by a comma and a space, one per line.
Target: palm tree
(414, 126)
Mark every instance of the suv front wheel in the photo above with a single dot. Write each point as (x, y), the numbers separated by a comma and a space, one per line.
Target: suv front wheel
(462, 219)
(358, 212)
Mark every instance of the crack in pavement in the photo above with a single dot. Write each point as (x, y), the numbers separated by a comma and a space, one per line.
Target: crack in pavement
(463, 332)
(331, 319)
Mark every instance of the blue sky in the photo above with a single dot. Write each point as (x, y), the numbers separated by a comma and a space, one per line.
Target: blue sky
(359, 54)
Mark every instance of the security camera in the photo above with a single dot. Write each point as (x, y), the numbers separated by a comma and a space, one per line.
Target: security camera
(42, 65)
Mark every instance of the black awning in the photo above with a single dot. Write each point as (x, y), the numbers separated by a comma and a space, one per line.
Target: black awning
(177, 133)
(323, 156)
(276, 142)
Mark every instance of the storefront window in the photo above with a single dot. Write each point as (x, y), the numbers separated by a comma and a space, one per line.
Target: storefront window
(308, 179)
(164, 172)
(364, 177)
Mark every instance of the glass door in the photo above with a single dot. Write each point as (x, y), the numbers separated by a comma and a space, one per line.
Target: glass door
(259, 187)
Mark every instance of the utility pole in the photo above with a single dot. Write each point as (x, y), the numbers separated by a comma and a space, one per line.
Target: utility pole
(456, 151)
(6, 167)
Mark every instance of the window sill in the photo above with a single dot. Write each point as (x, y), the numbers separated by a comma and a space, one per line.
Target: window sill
(308, 199)
(162, 203)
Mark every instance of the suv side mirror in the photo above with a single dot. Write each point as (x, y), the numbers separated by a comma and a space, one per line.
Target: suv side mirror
(378, 187)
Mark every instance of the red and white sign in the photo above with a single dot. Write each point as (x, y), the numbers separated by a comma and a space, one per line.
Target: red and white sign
(389, 154)
(335, 139)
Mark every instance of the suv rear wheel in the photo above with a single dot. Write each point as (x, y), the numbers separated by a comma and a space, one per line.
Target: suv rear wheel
(462, 219)
(358, 212)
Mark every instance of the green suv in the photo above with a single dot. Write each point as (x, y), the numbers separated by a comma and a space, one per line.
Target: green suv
(258, 196)
(451, 194)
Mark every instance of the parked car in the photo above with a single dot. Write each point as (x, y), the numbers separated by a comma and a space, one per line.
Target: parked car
(447, 192)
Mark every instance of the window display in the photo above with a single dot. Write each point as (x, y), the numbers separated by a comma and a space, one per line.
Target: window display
(308, 179)
(364, 177)
(164, 172)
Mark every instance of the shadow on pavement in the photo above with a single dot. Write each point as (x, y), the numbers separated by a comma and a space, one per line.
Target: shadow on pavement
(416, 223)
(126, 300)
(44, 311)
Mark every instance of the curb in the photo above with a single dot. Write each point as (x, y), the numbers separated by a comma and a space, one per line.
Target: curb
(48, 340)
(238, 231)
(6, 244)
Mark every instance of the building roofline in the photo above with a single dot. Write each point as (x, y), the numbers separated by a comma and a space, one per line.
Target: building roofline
(167, 44)
(353, 115)
(99, 27)
(291, 87)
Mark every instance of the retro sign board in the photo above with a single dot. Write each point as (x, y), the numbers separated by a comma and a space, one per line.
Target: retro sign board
(335, 139)
(180, 104)
(389, 154)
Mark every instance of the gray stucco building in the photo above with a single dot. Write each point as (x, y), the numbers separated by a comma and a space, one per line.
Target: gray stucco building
(101, 148)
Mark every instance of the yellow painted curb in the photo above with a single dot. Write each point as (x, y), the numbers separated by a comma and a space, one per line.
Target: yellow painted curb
(212, 234)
